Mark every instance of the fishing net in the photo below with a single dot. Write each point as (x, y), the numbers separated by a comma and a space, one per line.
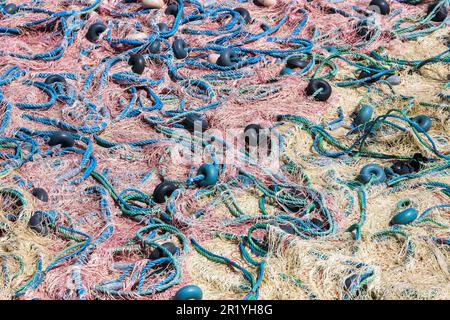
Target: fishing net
(237, 149)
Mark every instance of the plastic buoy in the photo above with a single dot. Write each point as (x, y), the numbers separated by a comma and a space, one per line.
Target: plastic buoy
(364, 115)
(38, 223)
(55, 79)
(195, 122)
(137, 63)
(152, 4)
(440, 14)
(380, 6)
(394, 80)
(94, 31)
(404, 217)
(210, 173)
(62, 138)
(244, 14)
(267, 3)
(10, 8)
(40, 193)
(163, 191)
(363, 30)
(171, 10)
(423, 121)
(319, 84)
(158, 253)
(213, 58)
(189, 292)
(225, 58)
(372, 172)
(179, 47)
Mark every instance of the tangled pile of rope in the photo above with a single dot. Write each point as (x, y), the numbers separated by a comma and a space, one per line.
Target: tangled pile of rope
(126, 126)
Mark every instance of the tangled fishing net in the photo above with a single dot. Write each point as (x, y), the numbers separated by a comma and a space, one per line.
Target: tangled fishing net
(233, 149)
